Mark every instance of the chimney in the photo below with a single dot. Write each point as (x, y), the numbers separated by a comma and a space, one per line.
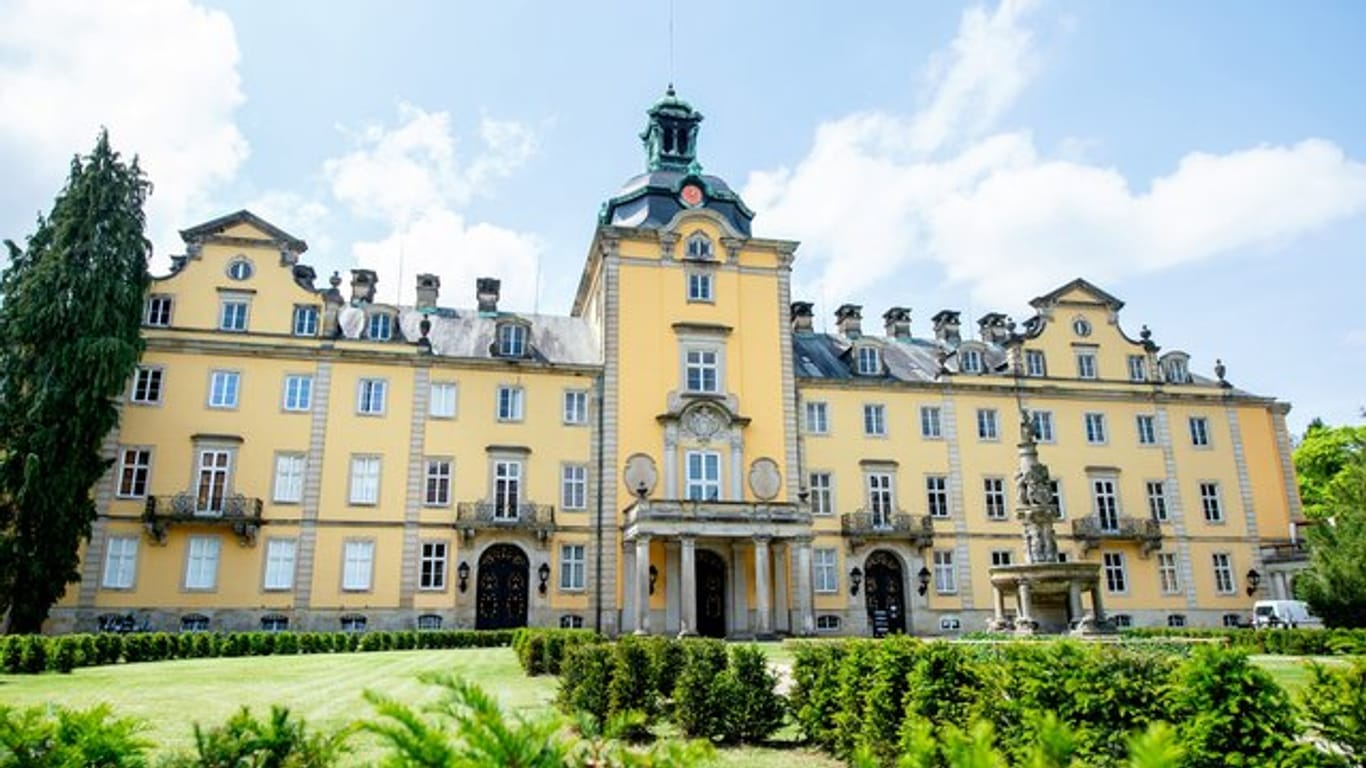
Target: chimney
(897, 321)
(428, 288)
(363, 283)
(849, 320)
(992, 328)
(801, 316)
(946, 327)
(486, 292)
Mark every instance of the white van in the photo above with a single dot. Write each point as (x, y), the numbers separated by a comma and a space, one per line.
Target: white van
(1283, 613)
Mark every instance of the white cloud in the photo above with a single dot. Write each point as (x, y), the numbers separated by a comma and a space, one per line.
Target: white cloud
(298, 215)
(879, 191)
(414, 179)
(162, 76)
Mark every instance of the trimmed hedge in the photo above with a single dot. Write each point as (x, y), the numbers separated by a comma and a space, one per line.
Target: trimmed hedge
(540, 651)
(1289, 642)
(32, 654)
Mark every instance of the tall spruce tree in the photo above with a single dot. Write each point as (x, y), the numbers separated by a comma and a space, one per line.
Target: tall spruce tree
(69, 341)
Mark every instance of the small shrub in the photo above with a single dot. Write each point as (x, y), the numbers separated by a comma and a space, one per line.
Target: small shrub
(67, 654)
(585, 675)
(34, 659)
(278, 740)
(813, 697)
(894, 661)
(1219, 702)
(696, 709)
(12, 654)
(631, 688)
(747, 693)
(39, 736)
(1334, 704)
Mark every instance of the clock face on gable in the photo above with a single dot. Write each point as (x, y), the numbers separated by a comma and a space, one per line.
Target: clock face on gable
(691, 195)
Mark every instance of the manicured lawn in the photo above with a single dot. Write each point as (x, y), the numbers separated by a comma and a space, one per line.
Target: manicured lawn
(1292, 672)
(325, 689)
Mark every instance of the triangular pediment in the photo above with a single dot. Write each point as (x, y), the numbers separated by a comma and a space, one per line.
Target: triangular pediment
(242, 225)
(1078, 291)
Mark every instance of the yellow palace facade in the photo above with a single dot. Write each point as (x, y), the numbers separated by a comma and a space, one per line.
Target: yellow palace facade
(683, 452)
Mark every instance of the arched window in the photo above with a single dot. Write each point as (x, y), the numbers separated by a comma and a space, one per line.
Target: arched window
(353, 622)
(274, 622)
(699, 247)
(194, 622)
(428, 621)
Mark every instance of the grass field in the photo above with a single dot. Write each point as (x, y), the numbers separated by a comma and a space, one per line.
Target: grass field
(325, 689)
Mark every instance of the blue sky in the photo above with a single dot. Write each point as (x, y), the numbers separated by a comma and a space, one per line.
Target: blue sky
(1202, 161)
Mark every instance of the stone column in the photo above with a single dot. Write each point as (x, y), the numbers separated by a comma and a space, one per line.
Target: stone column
(806, 621)
(782, 603)
(628, 574)
(739, 592)
(671, 586)
(642, 585)
(762, 588)
(1097, 605)
(1074, 613)
(1026, 608)
(998, 601)
(688, 584)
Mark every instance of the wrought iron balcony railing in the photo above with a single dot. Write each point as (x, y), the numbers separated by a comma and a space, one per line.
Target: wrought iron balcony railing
(474, 516)
(864, 524)
(240, 513)
(1091, 531)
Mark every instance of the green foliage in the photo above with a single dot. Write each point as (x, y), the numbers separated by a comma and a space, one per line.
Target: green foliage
(747, 691)
(632, 687)
(71, 307)
(885, 692)
(1228, 712)
(34, 658)
(585, 674)
(697, 710)
(855, 669)
(12, 654)
(813, 698)
(1334, 584)
(1323, 463)
(37, 737)
(1157, 747)
(278, 741)
(1334, 704)
(607, 745)
(1297, 642)
(541, 651)
(666, 660)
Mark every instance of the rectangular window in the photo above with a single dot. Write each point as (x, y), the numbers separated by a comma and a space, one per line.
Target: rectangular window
(201, 562)
(704, 475)
(930, 423)
(970, 360)
(364, 480)
(135, 464)
(1107, 503)
(995, 489)
(510, 402)
(223, 387)
(120, 562)
(817, 418)
(1043, 425)
(1035, 364)
(1199, 431)
(1176, 621)
(880, 502)
(232, 315)
(945, 575)
(575, 407)
(1138, 368)
(869, 361)
(381, 328)
(442, 399)
(370, 396)
(147, 385)
(1056, 501)
(1167, 574)
(699, 286)
(1209, 502)
(825, 570)
(158, 311)
(1116, 575)
(702, 370)
(1086, 365)
(432, 568)
(1000, 557)
(1095, 428)
(279, 564)
(438, 483)
(1223, 574)
(358, 561)
(511, 340)
(305, 321)
(937, 495)
(875, 420)
(574, 486)
(573, 567)
(289, 478)
(214, 465)
(298, 393)
(1157, 500)
(986, 424)
(1147, 429)
(821, 485)
(507, 489)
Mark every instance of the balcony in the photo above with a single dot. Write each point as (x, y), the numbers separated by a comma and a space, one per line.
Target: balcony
(240, 513)
(1091, 532)
(862, 526)
(687, 517)
(472, 517)
(1284, 551)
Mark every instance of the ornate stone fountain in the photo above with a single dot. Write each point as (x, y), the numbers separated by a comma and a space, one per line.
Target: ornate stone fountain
(1047, 593)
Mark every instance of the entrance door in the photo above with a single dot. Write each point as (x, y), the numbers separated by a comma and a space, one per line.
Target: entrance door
(886, 596)
(501, 593)
(711, 594)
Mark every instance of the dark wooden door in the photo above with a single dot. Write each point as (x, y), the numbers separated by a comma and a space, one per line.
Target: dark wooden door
(711, 594)
(502, 588)
(886, 595)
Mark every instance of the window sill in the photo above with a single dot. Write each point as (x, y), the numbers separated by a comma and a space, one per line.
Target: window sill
(277, 590)
(371, 414)
(286, 503)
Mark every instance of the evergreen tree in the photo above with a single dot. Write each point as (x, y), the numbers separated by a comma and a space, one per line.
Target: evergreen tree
(69, 341)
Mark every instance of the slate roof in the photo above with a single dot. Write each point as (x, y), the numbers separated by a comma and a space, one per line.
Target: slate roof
(465, 333)
(650, 200)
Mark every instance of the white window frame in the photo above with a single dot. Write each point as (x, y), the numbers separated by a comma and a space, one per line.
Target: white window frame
(434, 554)
(513, 340)
(160, 309)
(507, 488)
(874, 420)
(1086, 365)
(821, 487)
(1094, 424)
(1115, 572)
(120, 562)
(509, 403)
(945, 572)
(1168, 574)
(988, 426)
(1000, 557)
(1138, 368)
(298, 393)
(931, 422)
(573, 567)
(825, 570)
(305, 320)
(288, 484)
(702, 370)
(1036, 365)
(575, 407)
(1043, 426)
(970, 360)
(135, 472)
(1199, 429)
(1158, 509)
(437, 478)
(1225, 582)
(358, 565)
(702, 475)
(443, 399)
(379, 326)
(148, 385)
(201, 563)
(574, 486)
(937, 496)
(234, 315)
(1146, 425)
(225, 389)
(1105, 502)
(817, 417)
(372, 396)
(213, 477)
(880, 494)
(1211, 502)
(279, 558)
(994, 495)
(701, 286)
(366, 470)
(869, 360)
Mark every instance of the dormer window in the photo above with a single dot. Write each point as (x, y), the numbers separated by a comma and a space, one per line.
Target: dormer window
(699, 247)
(1177, 370)
(512, 340)
(869, 362)
(970, 360)
(381, 328)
